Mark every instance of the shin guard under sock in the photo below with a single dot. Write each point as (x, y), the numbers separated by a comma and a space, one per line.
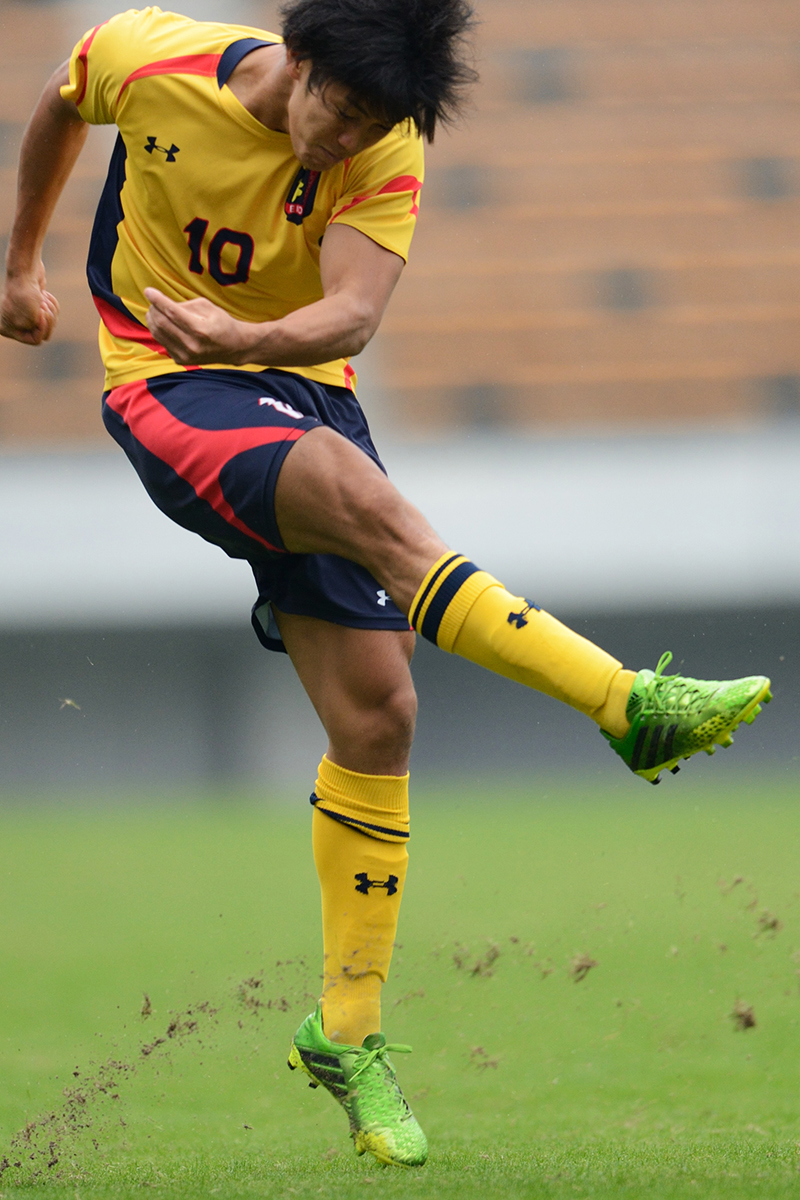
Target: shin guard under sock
(467, 612)
(360, 830)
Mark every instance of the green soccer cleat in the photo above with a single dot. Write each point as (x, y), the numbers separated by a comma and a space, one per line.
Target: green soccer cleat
(673, 717)
(363, 1081)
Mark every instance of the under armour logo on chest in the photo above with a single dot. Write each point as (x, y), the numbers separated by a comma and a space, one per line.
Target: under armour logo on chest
(153, 146)
(364, 883)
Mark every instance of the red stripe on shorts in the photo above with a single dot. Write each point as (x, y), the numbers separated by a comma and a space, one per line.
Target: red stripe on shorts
(196, 455)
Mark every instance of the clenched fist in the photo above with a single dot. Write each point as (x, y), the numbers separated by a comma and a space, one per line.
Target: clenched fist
(28, 312)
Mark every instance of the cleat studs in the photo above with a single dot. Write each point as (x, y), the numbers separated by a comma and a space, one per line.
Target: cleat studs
(674, 770)
(313, 1084)
(656, 780)
(291, 1066)
(748, 720)
(766, 699)
(710, 749)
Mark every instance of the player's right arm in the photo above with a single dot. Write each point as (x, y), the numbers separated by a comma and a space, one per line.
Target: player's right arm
(51, 145)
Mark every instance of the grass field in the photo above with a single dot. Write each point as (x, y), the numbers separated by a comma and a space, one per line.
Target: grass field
(578, 975)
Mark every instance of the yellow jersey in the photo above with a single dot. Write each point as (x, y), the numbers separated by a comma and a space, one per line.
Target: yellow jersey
(203, 200)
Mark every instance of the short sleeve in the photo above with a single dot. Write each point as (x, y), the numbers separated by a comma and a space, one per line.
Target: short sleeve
(382, 191)
(105, 58)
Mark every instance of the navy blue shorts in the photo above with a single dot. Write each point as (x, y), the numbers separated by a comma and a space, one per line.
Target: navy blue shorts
(208, 447)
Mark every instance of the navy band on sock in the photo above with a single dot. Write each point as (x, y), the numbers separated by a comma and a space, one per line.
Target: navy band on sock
(374, 831)
(443, 598)
(414, 614)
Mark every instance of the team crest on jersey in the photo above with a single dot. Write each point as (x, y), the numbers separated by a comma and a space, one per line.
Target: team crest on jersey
(302, 194)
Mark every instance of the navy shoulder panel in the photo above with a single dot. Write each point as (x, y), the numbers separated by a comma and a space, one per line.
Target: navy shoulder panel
(234, 55)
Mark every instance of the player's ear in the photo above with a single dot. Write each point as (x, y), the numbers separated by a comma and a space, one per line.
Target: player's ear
(293, 66)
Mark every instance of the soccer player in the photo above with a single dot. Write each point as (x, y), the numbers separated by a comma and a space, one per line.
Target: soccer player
(257, 215)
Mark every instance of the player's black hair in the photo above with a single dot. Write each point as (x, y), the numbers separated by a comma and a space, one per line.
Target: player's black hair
(405, 59)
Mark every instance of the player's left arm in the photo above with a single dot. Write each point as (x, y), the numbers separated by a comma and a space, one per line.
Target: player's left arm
(358, 277)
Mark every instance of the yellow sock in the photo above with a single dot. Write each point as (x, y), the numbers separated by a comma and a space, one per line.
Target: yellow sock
(375, 804)
(467, 612)
(361, 877)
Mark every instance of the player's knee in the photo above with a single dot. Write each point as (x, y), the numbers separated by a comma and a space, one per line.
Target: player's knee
(395, 719)
(389, 725)
(382, 730)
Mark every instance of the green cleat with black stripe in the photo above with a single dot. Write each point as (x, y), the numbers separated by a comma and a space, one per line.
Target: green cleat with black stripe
(362, 1079)
(673, 717)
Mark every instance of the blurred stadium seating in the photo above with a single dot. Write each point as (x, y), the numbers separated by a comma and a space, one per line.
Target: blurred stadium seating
(613, 236)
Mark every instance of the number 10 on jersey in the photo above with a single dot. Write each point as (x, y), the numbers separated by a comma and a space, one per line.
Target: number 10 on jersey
(197, 231)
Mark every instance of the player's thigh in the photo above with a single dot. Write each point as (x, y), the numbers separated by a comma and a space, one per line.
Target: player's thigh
(360, 684)
(331, 498)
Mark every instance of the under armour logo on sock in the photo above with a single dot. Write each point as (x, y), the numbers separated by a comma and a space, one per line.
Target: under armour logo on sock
(520, 619)
(365, 883)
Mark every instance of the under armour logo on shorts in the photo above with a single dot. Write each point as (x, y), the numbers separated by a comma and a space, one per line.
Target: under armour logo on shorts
(383, 599)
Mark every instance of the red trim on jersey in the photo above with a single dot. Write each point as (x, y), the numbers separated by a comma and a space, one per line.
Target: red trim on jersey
(186, 64)
(196, 455)
(403, 183)
(123, 327)
(349, 376)
(83, 59)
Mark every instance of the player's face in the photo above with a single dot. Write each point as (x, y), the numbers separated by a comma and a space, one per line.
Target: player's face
(328, 125)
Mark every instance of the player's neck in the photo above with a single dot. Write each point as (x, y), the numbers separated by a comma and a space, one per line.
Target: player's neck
(261, 84)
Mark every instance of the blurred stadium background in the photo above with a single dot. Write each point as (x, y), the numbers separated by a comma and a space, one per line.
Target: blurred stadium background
(589, 379)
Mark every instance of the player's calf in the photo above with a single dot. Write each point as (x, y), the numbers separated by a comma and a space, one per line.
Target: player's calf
(361, 687)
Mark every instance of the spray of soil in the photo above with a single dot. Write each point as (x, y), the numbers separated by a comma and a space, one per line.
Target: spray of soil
(51, 1145)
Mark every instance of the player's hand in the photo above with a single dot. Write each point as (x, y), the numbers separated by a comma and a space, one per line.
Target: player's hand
(28, 312)
(196, 332)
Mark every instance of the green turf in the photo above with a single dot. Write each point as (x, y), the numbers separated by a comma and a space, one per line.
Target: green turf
(529, 1080)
